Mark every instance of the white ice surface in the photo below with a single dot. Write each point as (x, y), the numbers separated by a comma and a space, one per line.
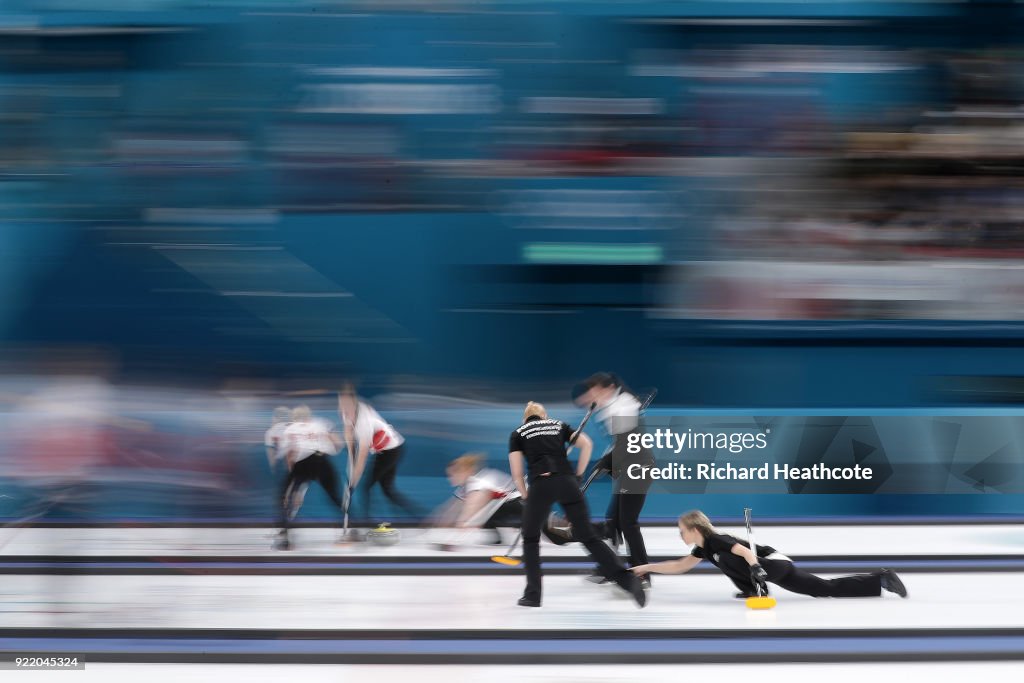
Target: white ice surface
(944, 600)
(959, 540)
(775, 673)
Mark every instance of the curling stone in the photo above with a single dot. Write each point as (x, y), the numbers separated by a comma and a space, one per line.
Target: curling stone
(383, 535)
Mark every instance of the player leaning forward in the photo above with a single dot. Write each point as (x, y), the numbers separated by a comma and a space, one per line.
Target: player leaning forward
(745, 568)
(484, 499)
(542, 443)
(366, 434)
(308, 444)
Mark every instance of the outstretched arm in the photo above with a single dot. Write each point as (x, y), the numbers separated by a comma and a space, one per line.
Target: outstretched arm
(360, 463)
(680, 566)
(348, 428)
(475, 502)
(447, 513)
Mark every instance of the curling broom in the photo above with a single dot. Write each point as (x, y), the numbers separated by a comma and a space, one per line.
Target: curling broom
(758, 601)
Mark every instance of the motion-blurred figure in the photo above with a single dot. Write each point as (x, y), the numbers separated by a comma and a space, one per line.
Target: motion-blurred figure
(619, 411)
(309, 445)
(366, 434)
(485, 498)
(273, 440)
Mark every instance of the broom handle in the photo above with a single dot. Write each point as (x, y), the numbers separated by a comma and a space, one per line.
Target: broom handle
(750, 540)
(593, 475)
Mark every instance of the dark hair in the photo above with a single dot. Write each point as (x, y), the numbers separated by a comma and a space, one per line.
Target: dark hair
(598, 379)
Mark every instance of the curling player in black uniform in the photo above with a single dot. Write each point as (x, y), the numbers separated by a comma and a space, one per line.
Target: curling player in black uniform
(542, 443)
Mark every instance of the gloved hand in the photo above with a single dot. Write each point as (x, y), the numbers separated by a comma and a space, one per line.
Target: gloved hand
(605, 463)
(759, 577)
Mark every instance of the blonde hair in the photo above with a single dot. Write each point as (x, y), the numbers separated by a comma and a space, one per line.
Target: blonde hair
(469, 461)
(695, 519)
(301, 414)
(282, 414)
(534, 410)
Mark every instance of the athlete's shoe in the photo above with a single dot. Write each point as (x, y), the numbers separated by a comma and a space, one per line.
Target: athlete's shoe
(891, 582)
(636, 589)
(528, 602)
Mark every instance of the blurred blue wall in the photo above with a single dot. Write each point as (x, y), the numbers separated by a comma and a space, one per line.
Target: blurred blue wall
(418, 270)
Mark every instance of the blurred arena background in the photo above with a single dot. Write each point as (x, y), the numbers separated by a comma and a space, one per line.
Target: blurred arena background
(208, 207)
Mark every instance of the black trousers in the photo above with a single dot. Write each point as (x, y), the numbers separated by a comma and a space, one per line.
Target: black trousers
(316, 467)
(785, 574)
(510, 514)
(563, 489)
(385, 469)
(623, 518)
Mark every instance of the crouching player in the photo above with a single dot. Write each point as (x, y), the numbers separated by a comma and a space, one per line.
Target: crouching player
(484, 499)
